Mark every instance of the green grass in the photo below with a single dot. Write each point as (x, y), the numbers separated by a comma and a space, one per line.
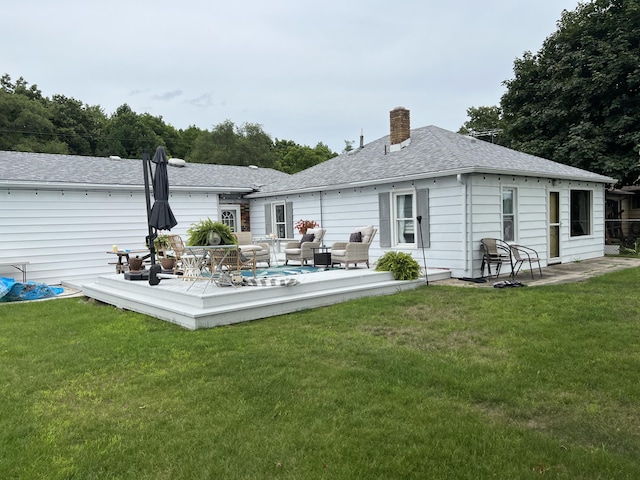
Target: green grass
(440, 382)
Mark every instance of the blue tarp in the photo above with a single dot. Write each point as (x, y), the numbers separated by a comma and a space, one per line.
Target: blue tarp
(12, 291)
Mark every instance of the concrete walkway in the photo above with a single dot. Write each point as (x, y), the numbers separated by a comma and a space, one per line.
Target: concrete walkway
(555, 274)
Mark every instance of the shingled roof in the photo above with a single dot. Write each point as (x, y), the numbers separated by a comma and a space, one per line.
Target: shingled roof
(72, 170)
(432, 152)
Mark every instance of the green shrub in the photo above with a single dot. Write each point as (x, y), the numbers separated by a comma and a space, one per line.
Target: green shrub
(402, 265)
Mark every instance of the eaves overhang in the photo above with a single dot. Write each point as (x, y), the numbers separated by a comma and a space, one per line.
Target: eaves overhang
(35, 185)
(438, 174)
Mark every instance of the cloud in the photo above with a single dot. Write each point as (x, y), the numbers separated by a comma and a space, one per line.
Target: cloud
(167, 95)
(203, 101)
(307, 72)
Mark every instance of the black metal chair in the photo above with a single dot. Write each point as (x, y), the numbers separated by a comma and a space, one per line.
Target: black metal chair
(522, 254)
(495, 252)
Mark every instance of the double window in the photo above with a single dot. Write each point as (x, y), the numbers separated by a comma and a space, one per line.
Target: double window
(581, 201)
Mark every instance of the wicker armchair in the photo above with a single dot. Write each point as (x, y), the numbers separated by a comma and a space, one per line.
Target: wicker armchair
(302, 251)
(354, 252)
(234, 260)
(262, 255)
(177, 245)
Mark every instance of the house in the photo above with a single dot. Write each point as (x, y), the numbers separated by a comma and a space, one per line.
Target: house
(462, 188)
(622, 218)
(63, 213)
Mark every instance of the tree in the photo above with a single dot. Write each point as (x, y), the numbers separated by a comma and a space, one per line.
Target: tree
(484, 123)
(227, 144)
(77, 125)
(577, 101)
(127, 134)
(186, 141)
(348, 146)
(25, 125)
(20, 87)
(300, 157)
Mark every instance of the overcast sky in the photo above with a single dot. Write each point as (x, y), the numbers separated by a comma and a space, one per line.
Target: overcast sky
(308, 72)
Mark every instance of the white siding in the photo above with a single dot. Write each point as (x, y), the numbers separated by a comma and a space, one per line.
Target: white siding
(66, 234)
(587, 246)
(532, 216)
(342, 211)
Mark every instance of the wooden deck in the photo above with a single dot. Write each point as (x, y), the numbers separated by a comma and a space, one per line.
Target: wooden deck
(203, 304)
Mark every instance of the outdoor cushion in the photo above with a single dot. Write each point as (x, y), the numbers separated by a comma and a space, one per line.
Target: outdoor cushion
(338, 253)
(366, 233)
(356, 237)
(307, 237)
(292, 251)
(314, 231)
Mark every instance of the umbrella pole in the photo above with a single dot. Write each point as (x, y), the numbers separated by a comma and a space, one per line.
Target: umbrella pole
(152, 235)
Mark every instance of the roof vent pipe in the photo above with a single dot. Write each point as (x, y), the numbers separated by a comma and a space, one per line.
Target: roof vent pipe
(361, 138)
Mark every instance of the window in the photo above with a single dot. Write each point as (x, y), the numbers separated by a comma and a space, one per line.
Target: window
(279, 220)
(508, 214)
(580, 212)
(404, 218)
(230, 216)
(398, 214)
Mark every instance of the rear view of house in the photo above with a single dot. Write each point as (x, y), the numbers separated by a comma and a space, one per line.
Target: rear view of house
(463, 189)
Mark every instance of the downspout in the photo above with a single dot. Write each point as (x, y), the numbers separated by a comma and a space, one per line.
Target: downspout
(321, 220)
(462, 183)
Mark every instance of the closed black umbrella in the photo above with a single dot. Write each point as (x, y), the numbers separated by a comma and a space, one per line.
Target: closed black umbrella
(161, 216)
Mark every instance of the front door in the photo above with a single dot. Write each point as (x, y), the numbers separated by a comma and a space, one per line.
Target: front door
(230, 216)
(554, 227)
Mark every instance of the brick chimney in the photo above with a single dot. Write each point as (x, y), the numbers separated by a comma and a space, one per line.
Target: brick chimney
(400, 128)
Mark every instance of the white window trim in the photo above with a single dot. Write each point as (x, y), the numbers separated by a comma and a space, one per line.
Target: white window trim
(394, 218)
(235, 209)
(514, 214)
(590, 213)
(274, 217)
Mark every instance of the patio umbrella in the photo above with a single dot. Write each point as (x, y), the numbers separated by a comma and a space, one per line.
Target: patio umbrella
(161, 216)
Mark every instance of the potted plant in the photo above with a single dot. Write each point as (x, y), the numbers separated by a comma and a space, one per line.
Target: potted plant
(208, 232)
(168, 261)
(303, 225)
(162, 244)
(136, 264)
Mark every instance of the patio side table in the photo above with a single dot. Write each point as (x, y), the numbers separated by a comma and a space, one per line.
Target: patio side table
(322, 256)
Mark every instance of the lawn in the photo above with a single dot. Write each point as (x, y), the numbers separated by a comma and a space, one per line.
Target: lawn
(440, 382)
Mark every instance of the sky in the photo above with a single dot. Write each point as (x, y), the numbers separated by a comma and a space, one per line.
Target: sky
(307, 72)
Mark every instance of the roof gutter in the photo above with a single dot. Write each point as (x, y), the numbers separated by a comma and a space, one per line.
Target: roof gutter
(33, 185)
